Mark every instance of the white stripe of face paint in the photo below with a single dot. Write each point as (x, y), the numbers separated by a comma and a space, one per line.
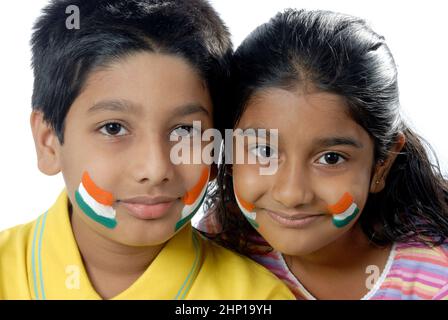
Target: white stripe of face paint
(347, 213)
(249, 214)
(100, 209)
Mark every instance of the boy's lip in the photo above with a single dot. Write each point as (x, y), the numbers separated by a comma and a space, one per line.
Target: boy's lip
(148, 208)
(149, 200)
(294, 219)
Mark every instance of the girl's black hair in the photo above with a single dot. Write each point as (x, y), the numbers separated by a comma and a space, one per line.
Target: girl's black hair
(340, 54)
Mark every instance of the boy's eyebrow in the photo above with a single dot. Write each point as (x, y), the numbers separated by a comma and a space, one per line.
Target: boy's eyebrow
(114, 105)
(337, 141)
(122, 105)
(188, 109)
(129, 106)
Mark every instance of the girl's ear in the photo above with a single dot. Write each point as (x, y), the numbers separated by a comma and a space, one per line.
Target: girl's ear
(383, 167)
(46, 143)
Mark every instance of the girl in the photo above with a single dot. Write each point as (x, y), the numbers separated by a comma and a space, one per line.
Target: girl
(355, 208)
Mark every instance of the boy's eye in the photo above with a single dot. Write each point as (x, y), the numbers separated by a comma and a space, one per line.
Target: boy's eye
(331, 158)
(184, 131)
(264, 151)
(113, 129)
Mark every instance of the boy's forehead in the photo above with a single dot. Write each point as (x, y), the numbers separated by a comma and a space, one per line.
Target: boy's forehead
(127, 106)
(146, 82)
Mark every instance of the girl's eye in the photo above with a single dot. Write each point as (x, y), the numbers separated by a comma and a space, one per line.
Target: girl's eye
(113, 129)
(264, 151)
(184, 131)
(331, 158)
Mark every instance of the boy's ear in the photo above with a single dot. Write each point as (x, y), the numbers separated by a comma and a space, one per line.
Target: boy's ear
(47, 144)
(383, 167)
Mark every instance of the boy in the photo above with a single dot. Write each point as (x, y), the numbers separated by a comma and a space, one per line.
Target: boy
(109, 98)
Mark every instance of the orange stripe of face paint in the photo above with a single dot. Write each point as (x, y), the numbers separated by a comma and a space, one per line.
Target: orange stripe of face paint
(342, 205)
(246, 205)
(96, 192)
(192, 195)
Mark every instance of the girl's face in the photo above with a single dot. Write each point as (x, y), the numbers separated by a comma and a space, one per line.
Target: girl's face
(322, 154)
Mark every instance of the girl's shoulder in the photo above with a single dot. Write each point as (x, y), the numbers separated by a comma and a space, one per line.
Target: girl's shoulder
(421, 256)
(418, 271)
(414, 271)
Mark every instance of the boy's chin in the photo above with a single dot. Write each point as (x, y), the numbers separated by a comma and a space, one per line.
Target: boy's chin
(144, 234)
(135, 232)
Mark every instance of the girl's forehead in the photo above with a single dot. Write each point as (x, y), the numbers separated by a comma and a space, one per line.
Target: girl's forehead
(284, 106)
(306, 115)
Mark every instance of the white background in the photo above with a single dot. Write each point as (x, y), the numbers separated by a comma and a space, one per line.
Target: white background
(416, 32)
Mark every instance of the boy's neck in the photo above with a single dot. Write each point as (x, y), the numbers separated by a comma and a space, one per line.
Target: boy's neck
(112, 267)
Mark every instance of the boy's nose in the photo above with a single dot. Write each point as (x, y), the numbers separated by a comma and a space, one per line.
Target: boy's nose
(292, 186)
(151, 163)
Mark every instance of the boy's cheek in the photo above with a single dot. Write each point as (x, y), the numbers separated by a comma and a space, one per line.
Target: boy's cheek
(104, 175)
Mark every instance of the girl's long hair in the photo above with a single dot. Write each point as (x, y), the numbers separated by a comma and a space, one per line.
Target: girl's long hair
(340, 54)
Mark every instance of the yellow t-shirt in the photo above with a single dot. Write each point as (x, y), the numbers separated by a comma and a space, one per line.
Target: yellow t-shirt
(40, 260)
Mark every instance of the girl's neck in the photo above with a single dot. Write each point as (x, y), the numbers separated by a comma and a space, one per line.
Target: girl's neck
(345, 251)
(338, 270)
(112, 267)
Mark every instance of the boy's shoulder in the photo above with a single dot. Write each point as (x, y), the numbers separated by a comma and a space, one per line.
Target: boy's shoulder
(235, 276)
(15, 239)
(13, 261)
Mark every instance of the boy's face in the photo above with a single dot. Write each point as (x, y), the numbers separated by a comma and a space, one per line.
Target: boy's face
(322, 154)
(118, 131)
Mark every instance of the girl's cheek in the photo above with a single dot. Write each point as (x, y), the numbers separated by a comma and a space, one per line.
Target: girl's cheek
(332, 192)
(248, 182)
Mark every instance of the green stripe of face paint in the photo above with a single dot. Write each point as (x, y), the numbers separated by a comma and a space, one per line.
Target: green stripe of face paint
(343, 223)
(183, 221)
(252, 222)
(108, 223)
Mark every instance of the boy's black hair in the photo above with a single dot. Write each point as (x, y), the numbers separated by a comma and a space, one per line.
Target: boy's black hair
(112, 29)
(341, 54)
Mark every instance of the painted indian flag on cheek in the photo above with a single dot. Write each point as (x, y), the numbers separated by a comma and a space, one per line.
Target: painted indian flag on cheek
(344, 211)
(95, 202)
(193, 199)
(248, 210)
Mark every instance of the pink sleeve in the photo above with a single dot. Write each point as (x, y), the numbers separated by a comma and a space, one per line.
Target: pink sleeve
(442, 294)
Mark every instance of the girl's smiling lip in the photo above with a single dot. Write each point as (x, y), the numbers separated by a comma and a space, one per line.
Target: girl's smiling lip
(148, 208)
(295, 220)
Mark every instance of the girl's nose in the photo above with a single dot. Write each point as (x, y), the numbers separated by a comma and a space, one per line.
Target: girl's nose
(292, 187)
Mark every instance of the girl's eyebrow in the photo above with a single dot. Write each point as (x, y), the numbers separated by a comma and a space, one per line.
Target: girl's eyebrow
(337, 141)
(258, 132)
(188, 109)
